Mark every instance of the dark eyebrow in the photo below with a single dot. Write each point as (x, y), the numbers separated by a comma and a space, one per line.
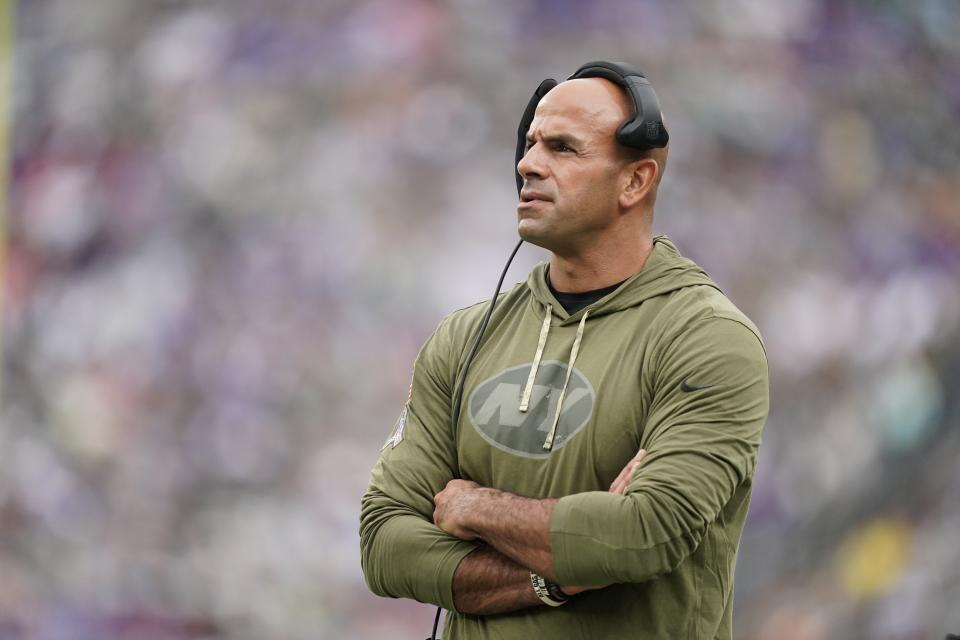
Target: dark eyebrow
(562, 138)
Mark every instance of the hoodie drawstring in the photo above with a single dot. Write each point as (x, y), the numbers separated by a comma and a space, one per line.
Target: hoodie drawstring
(541, 343)
(548, 443)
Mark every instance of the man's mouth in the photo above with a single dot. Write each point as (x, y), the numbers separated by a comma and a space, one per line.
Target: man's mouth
(533, 196)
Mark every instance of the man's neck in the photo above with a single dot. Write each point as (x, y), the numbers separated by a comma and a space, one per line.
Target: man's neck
(596, 270)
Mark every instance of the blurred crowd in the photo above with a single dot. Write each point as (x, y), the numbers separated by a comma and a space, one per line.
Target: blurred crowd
(232, 224)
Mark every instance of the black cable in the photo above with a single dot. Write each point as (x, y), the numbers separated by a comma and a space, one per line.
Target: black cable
(436, 623)
(458, 396)
(483, 327)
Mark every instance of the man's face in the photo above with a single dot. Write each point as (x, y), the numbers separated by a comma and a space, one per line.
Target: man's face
(572, 167)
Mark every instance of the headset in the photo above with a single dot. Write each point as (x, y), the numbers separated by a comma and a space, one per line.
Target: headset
(643, 131)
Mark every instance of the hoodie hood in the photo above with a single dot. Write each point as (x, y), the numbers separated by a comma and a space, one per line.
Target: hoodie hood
(665, 270)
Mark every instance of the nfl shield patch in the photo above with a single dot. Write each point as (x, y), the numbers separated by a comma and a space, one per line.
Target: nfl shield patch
(397, 436)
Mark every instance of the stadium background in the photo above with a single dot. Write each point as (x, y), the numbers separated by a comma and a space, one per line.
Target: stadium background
(231, 225)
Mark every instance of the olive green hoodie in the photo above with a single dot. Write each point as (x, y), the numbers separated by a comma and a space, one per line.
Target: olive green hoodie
(664, 362)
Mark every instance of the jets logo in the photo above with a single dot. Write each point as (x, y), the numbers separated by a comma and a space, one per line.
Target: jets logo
(494, 408)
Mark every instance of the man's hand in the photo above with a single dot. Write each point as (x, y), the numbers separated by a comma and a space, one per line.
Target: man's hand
(452, 506)
(623, 480)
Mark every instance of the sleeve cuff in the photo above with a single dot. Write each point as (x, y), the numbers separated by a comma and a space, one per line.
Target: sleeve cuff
(447, 568)
(572, 562)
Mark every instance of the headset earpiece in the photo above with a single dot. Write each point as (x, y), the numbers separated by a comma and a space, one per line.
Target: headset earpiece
(645, 129)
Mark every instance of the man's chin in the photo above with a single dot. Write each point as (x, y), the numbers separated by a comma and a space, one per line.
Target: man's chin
(527, 229)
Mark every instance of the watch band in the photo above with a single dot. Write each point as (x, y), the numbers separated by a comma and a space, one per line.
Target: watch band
(548, 592)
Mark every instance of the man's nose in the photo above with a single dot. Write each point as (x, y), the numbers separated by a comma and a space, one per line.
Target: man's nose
(531, 164)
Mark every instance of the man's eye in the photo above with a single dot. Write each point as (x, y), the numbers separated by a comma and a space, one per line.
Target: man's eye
(562, 148)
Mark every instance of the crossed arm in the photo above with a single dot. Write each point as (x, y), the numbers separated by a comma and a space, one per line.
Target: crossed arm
(496, 578)
(702, 446)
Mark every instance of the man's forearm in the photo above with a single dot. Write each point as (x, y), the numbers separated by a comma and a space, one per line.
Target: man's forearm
(487, 582)
(517, 527)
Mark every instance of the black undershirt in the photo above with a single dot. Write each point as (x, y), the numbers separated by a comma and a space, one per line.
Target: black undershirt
(574, 301)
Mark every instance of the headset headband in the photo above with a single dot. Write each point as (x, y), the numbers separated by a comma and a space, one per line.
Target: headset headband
(643, 131)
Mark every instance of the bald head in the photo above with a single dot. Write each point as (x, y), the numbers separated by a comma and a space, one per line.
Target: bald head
(605, 106)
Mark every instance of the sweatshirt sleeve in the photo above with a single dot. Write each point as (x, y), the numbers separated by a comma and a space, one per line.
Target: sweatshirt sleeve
(403, 554)
(702, 436)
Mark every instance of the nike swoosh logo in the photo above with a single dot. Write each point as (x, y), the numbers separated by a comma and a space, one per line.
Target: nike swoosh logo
(685, 386)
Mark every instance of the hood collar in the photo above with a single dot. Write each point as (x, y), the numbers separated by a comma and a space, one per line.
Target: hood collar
(665, 270)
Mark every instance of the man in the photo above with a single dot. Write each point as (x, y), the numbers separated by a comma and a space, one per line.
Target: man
(596, 481)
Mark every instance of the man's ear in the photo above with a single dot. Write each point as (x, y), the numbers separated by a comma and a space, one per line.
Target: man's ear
(639, 178)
